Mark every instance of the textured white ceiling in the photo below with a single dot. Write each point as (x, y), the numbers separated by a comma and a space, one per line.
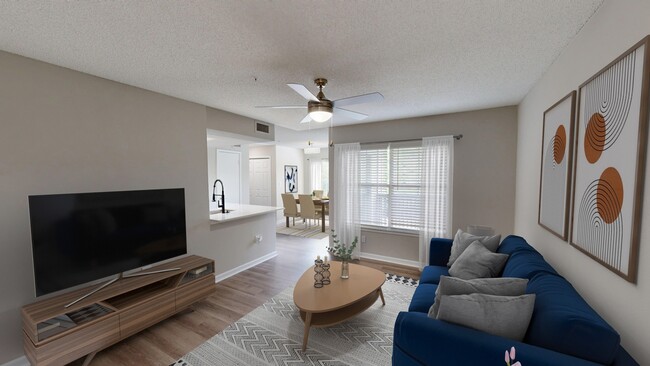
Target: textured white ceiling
(426, 57)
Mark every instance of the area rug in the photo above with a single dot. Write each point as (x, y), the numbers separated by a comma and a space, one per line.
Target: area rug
(272, 335)
(303, 230)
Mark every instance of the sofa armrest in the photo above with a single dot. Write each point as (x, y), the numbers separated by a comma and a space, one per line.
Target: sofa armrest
(439, 251)
(431, 341)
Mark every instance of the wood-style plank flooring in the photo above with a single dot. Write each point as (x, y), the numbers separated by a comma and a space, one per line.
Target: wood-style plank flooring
(164, 343)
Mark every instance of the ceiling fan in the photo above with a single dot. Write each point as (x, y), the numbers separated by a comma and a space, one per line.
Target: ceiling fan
(320, 109)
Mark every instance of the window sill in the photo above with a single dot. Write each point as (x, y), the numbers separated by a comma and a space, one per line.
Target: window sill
(387, 230)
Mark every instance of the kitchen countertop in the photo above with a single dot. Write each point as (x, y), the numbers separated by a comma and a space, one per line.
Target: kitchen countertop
(240, 211)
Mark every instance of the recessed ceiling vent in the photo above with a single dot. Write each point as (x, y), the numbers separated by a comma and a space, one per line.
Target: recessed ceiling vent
(262, 128)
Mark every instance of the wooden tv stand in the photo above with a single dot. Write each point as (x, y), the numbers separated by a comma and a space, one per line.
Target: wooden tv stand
(55, 335)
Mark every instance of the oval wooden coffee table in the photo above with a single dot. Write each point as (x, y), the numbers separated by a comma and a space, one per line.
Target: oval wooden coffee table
(338, 301)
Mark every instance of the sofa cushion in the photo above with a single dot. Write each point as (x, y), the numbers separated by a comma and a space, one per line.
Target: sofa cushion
(491, 286)
(514, 243)
(423, 298)
(431, 274)
(526, 264)
(562, 321)
(463, 240)
(504, 316)
(478, 262)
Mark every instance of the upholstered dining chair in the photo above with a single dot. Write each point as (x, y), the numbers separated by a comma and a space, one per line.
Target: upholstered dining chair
(318, 193)
(290, 207)
(307, 207)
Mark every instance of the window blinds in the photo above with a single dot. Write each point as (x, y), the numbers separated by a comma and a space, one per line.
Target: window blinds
(390, 176)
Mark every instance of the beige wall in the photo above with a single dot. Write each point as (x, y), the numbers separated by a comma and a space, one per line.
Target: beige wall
(615, 27)
(236, 124)
(64, 131)
(484, 169)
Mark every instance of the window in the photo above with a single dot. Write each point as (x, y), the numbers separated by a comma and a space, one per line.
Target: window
(390, 179)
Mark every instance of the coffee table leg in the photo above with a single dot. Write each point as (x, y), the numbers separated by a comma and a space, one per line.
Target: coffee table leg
(381, 294)
(306, 335)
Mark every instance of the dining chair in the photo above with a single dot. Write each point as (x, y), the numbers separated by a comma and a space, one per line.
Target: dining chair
(318, 193)
(290, 207)
(307, 207)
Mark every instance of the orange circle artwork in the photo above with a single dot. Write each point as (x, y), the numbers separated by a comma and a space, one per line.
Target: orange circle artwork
(609, 195)
(594, 137)
(559, 144)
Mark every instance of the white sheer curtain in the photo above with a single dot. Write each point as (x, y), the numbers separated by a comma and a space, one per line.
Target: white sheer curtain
(316, 174)
(345, 200)
(437, 176)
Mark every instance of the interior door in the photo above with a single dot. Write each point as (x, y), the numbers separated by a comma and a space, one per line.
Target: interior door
(229, 171)
(260, 181)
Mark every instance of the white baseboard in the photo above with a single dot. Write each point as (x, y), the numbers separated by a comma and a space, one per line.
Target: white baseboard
(383, 258)
(20, 361)
(245, 266)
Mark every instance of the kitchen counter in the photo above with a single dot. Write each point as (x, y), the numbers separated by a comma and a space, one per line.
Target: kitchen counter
(240, 211)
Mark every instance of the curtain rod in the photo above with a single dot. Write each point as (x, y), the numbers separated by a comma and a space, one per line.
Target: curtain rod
(456, 137)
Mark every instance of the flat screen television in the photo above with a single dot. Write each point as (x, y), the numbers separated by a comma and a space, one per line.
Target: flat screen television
(82, 237)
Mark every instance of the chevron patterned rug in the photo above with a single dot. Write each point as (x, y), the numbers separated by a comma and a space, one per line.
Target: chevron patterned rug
(272, 335)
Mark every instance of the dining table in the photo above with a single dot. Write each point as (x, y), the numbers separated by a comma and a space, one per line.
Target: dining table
(324, 203)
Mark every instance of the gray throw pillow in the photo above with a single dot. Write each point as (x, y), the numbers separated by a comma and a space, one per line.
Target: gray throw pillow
(505, 316)
(478, 262)
(462, 240)
(502, 286)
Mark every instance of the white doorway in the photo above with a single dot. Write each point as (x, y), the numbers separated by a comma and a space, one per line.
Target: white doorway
(229, 171)
(260, 181)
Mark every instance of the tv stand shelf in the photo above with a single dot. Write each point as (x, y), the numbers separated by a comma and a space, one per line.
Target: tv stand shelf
(56, 335)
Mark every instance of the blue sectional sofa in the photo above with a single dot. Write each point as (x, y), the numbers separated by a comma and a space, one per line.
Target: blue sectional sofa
(564, 329)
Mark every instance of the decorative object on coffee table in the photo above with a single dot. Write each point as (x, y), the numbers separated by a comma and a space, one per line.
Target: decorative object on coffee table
(326, 272)
(343, 252)
(318, 268)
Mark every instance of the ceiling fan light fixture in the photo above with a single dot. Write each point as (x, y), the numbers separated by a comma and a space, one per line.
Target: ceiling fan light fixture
(320, 111)
(320, 116)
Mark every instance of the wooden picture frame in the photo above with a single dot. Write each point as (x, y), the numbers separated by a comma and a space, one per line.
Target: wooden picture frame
(610, 156)
(555, 166)
(291, 179)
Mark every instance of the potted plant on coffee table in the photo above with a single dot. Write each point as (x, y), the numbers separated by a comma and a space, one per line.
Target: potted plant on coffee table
(343, 252)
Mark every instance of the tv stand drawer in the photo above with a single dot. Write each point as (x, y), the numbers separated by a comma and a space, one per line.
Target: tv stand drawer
(73, 345)
(146, 314)
(194, 291)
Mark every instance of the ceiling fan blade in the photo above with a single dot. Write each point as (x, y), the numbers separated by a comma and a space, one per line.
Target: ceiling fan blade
(282, 106)
(302, 90)
(346, 113)
(359, 99)
(306, 119)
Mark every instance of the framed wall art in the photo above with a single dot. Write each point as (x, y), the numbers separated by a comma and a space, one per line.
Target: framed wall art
(610, 161)
(291, 179)
(555, 170)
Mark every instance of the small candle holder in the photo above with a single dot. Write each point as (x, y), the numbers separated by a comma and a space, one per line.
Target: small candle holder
(318, 276)
(326, 274)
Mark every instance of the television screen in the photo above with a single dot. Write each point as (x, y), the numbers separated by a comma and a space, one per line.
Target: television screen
(82, 237)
